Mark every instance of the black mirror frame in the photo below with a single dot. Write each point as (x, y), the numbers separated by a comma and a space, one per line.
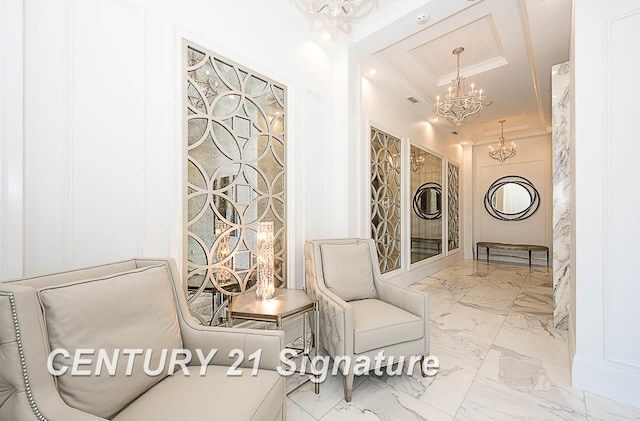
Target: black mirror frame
(416, 200)
(519, 216)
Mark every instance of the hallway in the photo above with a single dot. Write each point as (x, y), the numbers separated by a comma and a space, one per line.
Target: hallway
(500, 359)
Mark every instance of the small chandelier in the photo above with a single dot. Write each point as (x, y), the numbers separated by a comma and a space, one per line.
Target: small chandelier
(458, 105)
(416, 162)
(502, 153)
(333, 7)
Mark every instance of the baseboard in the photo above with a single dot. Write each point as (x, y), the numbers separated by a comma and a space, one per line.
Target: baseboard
(572, 338)
(423, 269)
(611, 380)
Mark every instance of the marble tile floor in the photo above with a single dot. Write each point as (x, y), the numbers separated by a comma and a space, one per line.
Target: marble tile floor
(500, 359)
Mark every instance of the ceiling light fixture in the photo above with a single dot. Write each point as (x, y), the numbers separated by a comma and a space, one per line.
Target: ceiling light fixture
(326, 36)
(333, 7)
(502, 153)
(416, 162)
(373, 72)
(458, 105)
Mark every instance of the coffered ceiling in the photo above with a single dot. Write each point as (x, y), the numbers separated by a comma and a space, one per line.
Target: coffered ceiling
(510, 46)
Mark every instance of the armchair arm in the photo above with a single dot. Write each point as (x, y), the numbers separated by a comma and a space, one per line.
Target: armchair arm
(415, 302)
(336, 315)
(205, 338)
(336, 323)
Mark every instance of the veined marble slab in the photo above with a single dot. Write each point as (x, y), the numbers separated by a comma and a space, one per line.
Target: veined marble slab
(561, 194)
(377, 401)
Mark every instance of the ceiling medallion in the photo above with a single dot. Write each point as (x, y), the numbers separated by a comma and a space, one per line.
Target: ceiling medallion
(502, 153)
(457, 105)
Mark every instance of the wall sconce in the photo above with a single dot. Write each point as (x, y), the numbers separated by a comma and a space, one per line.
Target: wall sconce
(265, 289)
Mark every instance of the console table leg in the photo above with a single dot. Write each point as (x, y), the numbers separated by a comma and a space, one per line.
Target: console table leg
(547, 257)
(529, 258)
(487, 254)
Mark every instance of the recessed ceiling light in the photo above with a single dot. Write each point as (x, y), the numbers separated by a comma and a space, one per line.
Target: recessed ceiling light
(435, 119)
(326, 36)
(372, 72)
(464, 143)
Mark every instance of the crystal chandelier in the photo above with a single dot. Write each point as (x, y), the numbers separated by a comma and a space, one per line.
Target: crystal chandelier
(457, 105)
(502, 153)
(416, 162)
(333, 7)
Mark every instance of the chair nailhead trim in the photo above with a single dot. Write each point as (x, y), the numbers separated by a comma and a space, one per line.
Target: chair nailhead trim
(23, 363)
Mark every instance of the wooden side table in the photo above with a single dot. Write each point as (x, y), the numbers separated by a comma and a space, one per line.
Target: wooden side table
(285, 305)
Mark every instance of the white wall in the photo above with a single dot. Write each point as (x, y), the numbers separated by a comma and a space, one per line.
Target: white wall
(533, 162)
(383, 111)
(103, 144)
(11, 132)
(607, 354)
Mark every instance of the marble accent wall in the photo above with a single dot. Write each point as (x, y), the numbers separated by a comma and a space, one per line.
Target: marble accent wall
(560, 77)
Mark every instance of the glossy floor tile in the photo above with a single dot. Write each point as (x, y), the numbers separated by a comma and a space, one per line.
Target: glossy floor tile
(500, 359)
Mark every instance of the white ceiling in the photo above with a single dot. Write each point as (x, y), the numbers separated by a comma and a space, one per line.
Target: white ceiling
(510, 46)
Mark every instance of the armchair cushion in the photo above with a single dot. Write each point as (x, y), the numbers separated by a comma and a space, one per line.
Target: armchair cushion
(129, 310)
(378, 324)
(179, 397)
(348, 270)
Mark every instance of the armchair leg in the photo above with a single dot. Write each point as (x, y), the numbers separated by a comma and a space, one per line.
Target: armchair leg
(348, 387)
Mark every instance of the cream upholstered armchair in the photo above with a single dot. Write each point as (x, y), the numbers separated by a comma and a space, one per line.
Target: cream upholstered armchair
(360, 313)
(134, 305)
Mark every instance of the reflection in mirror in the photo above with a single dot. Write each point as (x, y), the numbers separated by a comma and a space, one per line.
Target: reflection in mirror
(427, 201)
(235, 136)
(511, 198)
(453, 197)
(385, 198)
(426, 217)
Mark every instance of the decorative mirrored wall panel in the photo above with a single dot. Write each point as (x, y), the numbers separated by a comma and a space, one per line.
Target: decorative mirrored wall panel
(385, 198)
(236, 149)
(427, 201)
(453, 206)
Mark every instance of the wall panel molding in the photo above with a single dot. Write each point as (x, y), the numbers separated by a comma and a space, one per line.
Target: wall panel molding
(619, 201)
(68, 138)
(11, 139)
(106, 132)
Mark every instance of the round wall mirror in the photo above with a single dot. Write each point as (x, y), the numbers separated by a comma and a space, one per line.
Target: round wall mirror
(512, 198)
(427, 201)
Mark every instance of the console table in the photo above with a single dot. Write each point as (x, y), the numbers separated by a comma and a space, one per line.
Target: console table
(529, 247)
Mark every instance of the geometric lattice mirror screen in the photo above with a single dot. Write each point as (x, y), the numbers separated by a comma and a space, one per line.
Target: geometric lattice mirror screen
(385, 198)
(426, 204)
(236, 146)
(453, 221)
